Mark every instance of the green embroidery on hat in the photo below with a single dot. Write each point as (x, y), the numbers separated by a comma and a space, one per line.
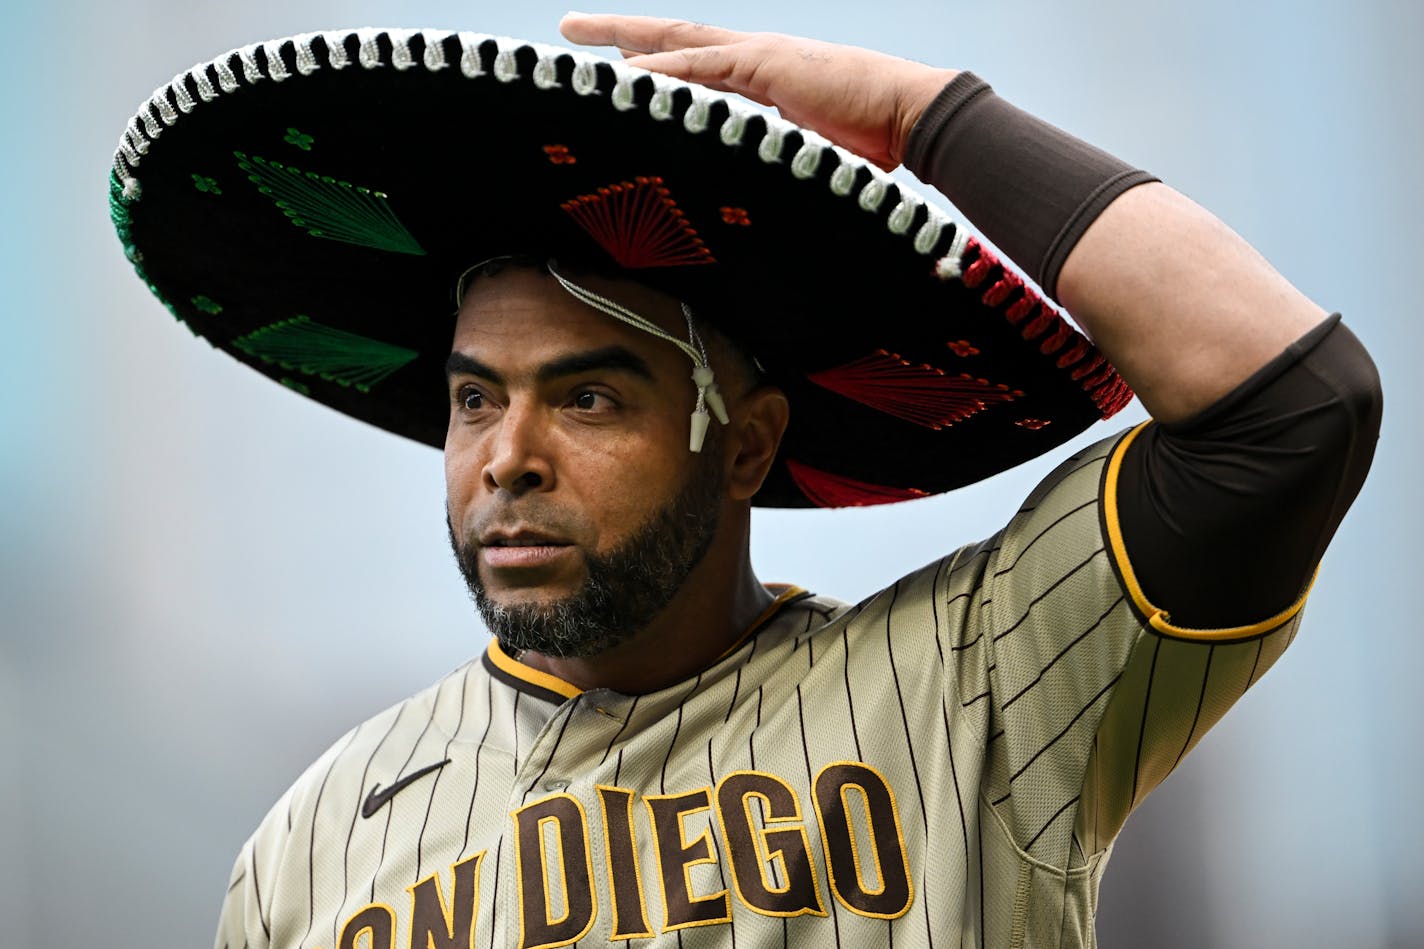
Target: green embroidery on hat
(295, 386)
(122, 194)
(205, 184)
(207, 304)
(119, 214)
(299, 139)
(118, 208)
(326, 352)
(178, 314)
(326, 207)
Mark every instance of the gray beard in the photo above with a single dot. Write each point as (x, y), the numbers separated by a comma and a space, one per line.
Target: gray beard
(623, 591)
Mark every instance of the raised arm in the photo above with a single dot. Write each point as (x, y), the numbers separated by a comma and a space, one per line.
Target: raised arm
(1270, 412)
(1218, 311)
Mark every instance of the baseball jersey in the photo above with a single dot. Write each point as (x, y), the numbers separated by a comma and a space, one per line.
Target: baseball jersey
(946, 763)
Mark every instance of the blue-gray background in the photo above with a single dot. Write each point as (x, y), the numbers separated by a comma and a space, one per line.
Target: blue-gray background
(204, 579)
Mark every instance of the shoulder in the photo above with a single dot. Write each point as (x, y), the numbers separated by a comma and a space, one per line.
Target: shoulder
(269, 874)
(1060, 528)
(1079, 482)
(810, 611)
(1064, 526)
(335, 782)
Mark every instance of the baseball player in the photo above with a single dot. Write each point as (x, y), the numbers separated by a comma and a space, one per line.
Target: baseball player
(659, 749)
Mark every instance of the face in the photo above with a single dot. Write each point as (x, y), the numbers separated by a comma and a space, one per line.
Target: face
(576, 510)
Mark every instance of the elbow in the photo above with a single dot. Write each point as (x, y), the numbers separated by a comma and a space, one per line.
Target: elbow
(1356, 380)
(1342, 363)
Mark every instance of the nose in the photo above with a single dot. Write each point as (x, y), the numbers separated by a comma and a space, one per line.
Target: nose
(519, 458)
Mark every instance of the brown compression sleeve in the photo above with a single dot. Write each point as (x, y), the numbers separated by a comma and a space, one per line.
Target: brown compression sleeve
(1033, 189)
(1225, 515)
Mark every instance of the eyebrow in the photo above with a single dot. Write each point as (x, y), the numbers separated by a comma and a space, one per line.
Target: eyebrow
(616, 358)
(461, 364)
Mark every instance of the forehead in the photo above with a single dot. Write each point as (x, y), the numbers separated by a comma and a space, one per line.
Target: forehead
(527, 309)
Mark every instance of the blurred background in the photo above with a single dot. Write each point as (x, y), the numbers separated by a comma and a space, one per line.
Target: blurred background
(205, 580)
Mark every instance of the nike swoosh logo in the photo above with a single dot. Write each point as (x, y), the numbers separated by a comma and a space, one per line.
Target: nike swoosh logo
(377, 798)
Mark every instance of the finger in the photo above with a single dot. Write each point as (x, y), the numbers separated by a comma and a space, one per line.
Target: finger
(715, 67)
(656, 62)
(721, 86)
(645, 34)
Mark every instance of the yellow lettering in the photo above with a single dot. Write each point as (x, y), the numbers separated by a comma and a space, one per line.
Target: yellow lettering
(771, 861)
(376, 922)
(434, 924)
(630, 918)
(562, 816)
(677, 856)
(892, 892)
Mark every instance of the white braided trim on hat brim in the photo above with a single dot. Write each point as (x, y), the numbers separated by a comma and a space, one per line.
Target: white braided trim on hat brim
(216, 78)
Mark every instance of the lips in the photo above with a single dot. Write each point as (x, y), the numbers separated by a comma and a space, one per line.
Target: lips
(521, 538)
(521, 549)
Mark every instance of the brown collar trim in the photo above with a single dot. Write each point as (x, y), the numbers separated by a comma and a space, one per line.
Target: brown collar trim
(788, 594)
(527, 679)
(551, 688)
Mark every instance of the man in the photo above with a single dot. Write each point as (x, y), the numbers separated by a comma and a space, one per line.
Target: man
(658, 746)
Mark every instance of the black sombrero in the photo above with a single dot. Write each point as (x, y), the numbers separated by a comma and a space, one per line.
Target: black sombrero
(307, 204)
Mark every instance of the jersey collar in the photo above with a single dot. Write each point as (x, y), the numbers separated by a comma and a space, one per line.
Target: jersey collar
(551, 688)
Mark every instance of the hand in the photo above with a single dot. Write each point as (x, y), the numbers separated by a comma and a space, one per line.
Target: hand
(862, 100)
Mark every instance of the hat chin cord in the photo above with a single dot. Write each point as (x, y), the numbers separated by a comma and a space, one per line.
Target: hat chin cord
(708, 393)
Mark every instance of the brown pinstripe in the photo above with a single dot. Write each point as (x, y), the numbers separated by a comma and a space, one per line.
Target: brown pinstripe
(1002, 710)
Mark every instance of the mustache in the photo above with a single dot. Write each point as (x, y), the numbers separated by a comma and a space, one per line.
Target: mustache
(537, 517)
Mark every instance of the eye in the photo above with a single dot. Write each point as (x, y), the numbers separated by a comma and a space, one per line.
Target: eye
(591, 400)
(470, 399)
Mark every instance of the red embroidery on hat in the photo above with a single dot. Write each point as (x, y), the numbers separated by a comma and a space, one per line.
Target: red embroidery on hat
(1033, 424)
(1058, 340)
(975, 273)
(559, 154)
(1020, 309)
(824, 489)
(999, 291)
(920, 394)
(1040, 324)
(1037, 321)
(963, 347)
(1112, 396)
(639, 224)
(1075, 353)
(1102, 377)
(731, 215)
(1087, 368)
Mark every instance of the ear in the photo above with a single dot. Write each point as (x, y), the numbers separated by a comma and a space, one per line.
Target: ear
(758, 422)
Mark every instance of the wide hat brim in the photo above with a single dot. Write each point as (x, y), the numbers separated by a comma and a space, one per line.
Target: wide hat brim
(308, 204)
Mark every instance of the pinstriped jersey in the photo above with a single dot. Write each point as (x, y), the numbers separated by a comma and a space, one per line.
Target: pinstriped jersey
(946, 763)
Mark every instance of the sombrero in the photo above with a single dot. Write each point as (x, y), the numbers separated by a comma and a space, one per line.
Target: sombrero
(307, 205)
